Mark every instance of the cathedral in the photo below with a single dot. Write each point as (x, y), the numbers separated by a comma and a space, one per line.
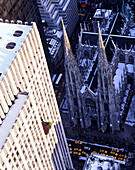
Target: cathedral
(100, 81)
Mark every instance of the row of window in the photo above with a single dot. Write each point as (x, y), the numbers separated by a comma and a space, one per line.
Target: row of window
(40, 97)
(130, 59)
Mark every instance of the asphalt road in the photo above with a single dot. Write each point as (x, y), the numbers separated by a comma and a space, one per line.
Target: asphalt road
(60, 89)
(80, 149)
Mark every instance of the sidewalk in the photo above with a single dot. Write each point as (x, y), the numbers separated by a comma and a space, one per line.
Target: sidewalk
(123, 139)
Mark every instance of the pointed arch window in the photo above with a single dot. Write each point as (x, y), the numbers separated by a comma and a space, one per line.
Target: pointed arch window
(86, 54)
(90, 105)
(106, 107)
(131, 59)
(122, 58)
(73, 77)
(105, 81)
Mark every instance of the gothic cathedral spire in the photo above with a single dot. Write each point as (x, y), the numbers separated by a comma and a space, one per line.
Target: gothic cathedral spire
(106, 96)
(73, 83)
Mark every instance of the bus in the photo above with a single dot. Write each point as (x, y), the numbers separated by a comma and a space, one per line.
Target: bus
(58, 79)
(53, 78)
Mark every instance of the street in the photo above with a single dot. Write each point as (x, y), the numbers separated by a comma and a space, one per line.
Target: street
(82, 149)
(59, 88)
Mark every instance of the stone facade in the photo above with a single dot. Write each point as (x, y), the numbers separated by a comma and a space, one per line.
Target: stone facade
(106, 75)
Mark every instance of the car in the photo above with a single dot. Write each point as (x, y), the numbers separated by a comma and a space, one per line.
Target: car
(56, 91)
(75, 149)
(101, 150)
(83, 152)
(94, 152)
(76, 153)
(87, 148)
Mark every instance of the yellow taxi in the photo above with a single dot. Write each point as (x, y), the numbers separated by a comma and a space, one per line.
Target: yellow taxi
(55, 91)
(75, 153)
(83, 152)
(101, 150)
(120, 158)
(75, 149)
(94, 152)
(116, 154)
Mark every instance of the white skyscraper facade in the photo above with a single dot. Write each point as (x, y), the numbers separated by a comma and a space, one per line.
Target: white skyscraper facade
(31, 131)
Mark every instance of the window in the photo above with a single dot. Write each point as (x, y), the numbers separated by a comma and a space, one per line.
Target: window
(10, 45)
(131, 59)
(18, 33)
(106, 107)
(73, 77)
(86, 54)
(122, 58)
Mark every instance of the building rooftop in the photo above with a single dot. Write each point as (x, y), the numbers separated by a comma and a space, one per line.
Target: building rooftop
(118, 39)
(97, 161)
(12, 37)
(100, 12)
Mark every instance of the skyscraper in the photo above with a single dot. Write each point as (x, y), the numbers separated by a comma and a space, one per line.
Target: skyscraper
(26, 11)
(53, 11)
(32, 134)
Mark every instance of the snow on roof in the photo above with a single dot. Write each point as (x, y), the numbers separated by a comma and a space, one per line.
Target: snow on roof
(6, 36)
(130, 120)
(132, 32)
(59, 34)
(10, 119)
(52, 42)
(130, 68)
(83, 89)
(99, 13)
(94, 162)
(119, 73)
(85, 62)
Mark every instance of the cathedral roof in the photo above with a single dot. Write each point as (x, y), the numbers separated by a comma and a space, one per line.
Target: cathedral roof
(10, 42)
(118, 39)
